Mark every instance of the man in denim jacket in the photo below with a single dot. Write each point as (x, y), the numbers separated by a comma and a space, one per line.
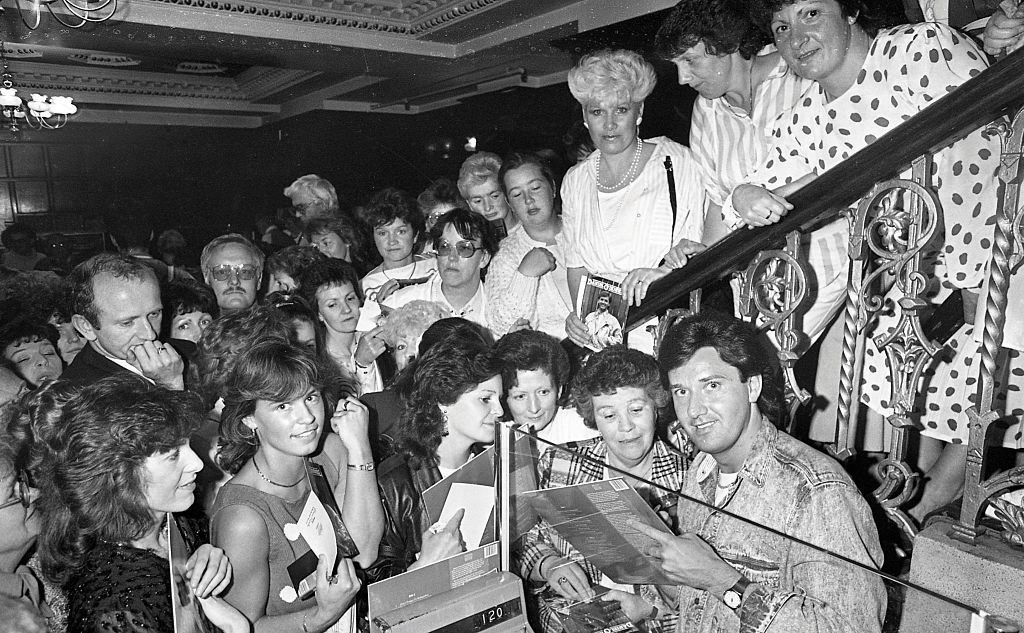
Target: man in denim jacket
(732, 574)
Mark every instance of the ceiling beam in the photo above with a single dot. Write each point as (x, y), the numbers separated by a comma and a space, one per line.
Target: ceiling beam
(317, 99)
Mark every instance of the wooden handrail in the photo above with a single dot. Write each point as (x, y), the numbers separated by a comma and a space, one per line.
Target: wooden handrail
(975, 103)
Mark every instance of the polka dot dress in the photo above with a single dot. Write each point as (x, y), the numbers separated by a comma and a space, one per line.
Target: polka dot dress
(907, 69)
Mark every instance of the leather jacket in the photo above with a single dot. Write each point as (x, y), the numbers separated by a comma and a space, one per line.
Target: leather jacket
(405, 516)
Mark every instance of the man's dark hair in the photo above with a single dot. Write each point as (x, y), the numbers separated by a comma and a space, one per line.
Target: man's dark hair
(81, 296)
(724, 26)
(738, 343)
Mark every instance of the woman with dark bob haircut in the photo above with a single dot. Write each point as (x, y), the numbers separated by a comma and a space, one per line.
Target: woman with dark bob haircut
(272, 431)
(398, 231)
(535, 371)
(331, 287)
(619, 392)
(112, 473)
(189, 308)
(452, 401)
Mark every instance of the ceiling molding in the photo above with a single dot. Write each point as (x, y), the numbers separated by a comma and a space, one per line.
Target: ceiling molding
(278, 59)
(518, 30)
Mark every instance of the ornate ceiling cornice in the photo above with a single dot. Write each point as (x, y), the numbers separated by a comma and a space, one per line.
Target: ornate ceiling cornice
(413, 19)
(78, 82)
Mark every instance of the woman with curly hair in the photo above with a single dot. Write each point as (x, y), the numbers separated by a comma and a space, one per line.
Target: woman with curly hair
(273, 432)
(398, 229)
(112, 474)
(189, 308)
(620, 217)
(619, 393)
(452, 401)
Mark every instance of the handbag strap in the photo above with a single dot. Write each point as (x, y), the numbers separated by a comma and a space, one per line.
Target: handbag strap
(671, 193)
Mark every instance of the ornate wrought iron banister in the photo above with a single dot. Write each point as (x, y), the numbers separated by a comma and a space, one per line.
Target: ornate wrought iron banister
(974, 104)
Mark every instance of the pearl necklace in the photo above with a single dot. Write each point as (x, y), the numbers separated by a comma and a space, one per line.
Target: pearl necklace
(630, 173)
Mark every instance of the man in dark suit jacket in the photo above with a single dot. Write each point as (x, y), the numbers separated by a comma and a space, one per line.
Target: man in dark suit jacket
(115, 300)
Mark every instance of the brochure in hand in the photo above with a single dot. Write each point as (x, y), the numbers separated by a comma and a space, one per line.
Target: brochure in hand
(320, 525)
(441, 504)
(595, 518)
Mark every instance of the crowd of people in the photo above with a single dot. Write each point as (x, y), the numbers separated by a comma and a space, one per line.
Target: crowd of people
(368, 353)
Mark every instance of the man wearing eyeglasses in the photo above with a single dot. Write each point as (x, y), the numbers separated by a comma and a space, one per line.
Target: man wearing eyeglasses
(115, 300)
(464, 244)
(233, 267)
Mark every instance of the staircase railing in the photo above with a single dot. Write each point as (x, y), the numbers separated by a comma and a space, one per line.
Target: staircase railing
(867, 176)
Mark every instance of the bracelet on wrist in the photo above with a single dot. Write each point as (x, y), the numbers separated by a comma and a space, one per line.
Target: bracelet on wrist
(366, 466)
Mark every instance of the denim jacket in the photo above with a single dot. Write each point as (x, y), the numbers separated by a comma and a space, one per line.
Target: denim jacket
(788, 486)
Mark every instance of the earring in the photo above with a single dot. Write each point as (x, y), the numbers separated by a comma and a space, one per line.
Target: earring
(444, 419)
(252, 439)
(586, 125)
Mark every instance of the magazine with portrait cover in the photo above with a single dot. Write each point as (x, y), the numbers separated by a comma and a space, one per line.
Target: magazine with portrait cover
(603, 309)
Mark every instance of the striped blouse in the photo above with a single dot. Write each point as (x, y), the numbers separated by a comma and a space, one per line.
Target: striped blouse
(728, 144)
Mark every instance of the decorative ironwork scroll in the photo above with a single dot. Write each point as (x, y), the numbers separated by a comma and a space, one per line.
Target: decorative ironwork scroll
(773, 287)
(1006, 253)
(893, 226)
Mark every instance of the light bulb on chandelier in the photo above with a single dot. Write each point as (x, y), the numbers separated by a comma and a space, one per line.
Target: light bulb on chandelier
(84, 11)
(41, 111)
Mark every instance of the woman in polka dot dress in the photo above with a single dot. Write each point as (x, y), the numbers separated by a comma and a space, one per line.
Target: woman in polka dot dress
(866, 86)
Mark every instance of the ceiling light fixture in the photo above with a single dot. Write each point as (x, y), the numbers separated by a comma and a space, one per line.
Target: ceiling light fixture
(40, 112)
(85, 11)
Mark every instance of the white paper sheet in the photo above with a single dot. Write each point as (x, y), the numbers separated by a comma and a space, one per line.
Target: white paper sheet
(478, 501)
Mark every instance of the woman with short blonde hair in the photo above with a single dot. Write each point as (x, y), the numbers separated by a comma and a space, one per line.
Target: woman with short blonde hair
(621, 216)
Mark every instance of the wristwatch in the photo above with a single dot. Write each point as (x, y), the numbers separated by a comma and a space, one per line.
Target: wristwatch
(733, 596)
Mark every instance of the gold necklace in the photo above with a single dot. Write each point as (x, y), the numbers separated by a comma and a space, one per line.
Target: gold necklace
(271, 481)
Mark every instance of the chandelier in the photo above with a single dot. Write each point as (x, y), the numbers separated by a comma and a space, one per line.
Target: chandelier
(40, 112)
(85, 11)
